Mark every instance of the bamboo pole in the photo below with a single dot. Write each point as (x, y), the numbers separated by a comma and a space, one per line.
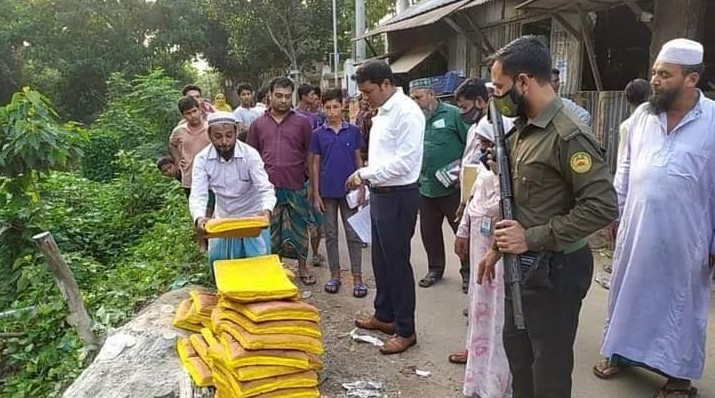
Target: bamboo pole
(78, 318)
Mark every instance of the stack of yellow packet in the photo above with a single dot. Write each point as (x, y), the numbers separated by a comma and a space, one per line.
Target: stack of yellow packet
(259, 340)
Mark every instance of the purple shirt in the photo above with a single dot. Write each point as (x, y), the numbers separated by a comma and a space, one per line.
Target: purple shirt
(312, 117)
(337, 157)
(283, 148)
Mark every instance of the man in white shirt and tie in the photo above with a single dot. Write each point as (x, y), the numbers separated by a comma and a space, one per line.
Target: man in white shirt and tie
(395, 154)
(235, 173)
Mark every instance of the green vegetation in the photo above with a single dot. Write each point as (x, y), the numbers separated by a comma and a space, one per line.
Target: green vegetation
(116, 68)
(127, 237)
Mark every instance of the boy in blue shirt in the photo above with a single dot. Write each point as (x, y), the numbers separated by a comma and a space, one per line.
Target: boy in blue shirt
(336, 146)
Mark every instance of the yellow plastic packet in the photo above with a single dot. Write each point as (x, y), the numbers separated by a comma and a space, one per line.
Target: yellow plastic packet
(291, 393)
(184, 348)
(252, 341)
(292, 327)
(182, 317)
(219, 360)
(254, 279)
(200, 346)
(200, 372)
(278, 310)
(196, 368)
(236, 356)
(209, 337)
(244, 227)
(307, 379)
(202, 303)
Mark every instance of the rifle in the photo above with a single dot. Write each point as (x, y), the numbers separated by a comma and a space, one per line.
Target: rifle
(512, 262)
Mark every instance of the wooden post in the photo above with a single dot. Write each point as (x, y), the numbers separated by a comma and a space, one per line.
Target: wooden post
(586, 38)
(79, 318)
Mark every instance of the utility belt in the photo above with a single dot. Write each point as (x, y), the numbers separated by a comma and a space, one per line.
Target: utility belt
(539, 268)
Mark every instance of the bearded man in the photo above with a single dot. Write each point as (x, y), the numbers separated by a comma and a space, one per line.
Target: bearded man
(444, 142)
(660, 289)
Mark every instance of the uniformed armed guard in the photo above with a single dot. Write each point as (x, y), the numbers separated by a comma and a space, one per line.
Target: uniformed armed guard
(562, 194)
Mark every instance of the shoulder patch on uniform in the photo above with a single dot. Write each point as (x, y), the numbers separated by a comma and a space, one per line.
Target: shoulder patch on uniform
(581, 162)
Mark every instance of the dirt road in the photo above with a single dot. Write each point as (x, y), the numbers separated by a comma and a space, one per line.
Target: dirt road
(441, 330)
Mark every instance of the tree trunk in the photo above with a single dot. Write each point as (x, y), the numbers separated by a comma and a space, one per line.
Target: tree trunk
(78, 317)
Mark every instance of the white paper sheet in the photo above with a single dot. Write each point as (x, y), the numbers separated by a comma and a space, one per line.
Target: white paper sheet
(353, 196)
(362, 225)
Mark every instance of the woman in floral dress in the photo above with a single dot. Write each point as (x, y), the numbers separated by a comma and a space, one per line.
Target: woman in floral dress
(487, 370)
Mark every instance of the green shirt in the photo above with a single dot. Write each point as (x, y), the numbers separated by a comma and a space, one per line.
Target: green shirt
(562, 186)
(445, 138)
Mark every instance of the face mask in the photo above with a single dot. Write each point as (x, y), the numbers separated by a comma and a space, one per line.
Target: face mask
(473, 116)
(511, 104)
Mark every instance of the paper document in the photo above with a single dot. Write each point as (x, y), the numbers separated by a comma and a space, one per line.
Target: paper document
(469, 176)
(361, 224)
(354, 195)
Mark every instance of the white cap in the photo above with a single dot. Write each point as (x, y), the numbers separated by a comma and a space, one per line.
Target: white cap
(221, 117)
(485, 129)
(681, 52)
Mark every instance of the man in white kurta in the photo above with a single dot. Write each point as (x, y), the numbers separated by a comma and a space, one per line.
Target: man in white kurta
(660, 289)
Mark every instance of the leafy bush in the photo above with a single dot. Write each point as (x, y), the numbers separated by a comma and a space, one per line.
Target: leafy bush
(139, 117)
(125, 232)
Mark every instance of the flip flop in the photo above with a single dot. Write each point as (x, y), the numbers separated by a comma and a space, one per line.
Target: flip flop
(603, 370)
(318, 260)
(359, 290)
(460, 358)
(307, 280)
(332, 286)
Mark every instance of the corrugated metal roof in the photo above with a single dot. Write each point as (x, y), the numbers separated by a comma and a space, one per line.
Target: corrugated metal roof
(419, 8)
(412, 58)
(423, 13)
(566, 5)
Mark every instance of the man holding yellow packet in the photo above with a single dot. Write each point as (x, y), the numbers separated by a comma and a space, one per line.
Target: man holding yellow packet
(244, 196)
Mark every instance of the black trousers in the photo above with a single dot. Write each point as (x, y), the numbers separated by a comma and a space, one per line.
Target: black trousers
(541, 357)
(394, 215)
(432, 214)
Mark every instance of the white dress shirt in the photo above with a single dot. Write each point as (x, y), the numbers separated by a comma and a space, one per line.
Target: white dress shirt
(241, 184)
(396, 146)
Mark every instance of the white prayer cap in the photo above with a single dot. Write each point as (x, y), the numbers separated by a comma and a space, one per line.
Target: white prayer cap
(221, 117)
(681, 52)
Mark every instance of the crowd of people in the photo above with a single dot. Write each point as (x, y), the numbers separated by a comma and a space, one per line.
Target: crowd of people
(410, 154)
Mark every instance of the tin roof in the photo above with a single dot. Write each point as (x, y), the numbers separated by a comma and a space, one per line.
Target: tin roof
(424, 13)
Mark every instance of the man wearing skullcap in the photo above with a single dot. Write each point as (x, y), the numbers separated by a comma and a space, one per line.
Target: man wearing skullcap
(234, 171)
(444, 142)
(660, 288)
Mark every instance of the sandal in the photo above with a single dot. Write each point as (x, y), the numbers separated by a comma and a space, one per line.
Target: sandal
(430, 279)
(359, 290)
(460, 358)
(307, 280)
(332, 286)
(666, 392)
(318, 260)
(603, 369)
